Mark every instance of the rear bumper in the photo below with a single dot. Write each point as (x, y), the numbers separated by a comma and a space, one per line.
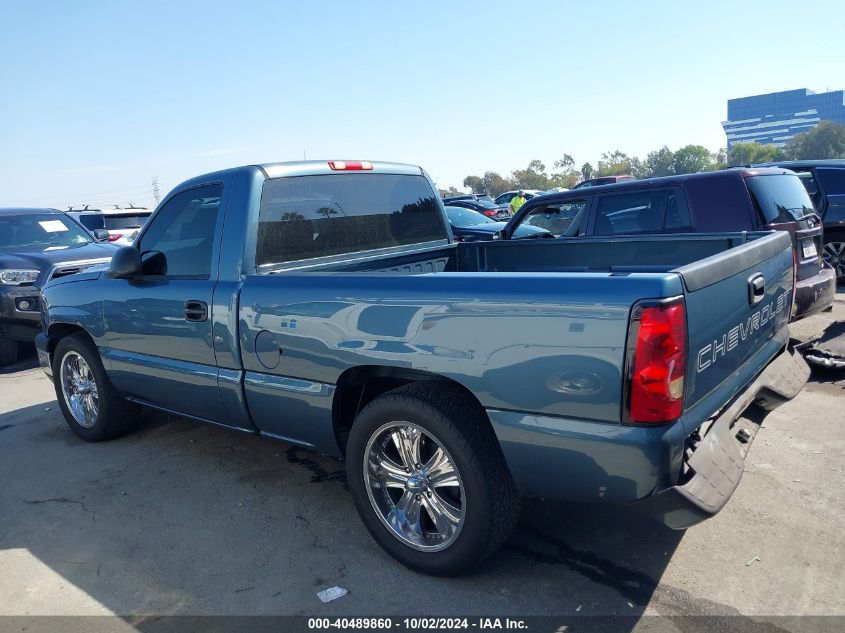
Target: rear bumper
(814, 294)
(716, 465)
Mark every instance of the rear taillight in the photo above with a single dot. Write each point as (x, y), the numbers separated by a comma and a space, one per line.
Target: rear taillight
(490, 213)
(657, 359)
(115, 236)
(350, 165)
(792, 305)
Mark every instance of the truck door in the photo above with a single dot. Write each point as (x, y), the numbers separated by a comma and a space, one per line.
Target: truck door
(158, 325)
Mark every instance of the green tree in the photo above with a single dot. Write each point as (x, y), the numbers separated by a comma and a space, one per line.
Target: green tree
(719, 160)
(826, 140)
(614, 163)
(660, 162)
(747, 153)
(475, 184)
(493, 184)
(691, 159)
(532, 177)
(566, 175)
(587, 171)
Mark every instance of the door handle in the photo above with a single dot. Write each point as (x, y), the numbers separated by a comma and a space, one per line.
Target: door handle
(196, 311)
(756, 289)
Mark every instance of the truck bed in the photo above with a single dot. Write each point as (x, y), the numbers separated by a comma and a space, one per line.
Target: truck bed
(652, 253)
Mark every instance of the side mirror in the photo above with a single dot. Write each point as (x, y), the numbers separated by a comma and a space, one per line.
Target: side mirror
(125, 264)
(101, 235)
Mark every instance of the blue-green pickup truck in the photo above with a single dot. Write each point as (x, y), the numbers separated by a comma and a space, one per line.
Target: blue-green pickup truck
(326, 304)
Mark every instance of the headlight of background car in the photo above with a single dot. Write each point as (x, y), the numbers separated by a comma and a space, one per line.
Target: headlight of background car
(13, 277)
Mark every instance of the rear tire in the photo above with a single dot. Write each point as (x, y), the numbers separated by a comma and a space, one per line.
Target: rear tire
(92, 407)
(429, 480)
(833, 252)
(8, 349)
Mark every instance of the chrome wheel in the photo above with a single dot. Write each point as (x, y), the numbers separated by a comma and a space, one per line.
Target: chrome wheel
(414, 486)
(79, 389)
(834, 254)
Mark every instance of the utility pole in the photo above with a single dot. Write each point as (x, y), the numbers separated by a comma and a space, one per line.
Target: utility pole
(156, 190)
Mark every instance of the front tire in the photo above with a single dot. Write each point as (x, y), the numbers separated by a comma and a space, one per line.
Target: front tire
(92, 407)
(8, 349)
(429, 480)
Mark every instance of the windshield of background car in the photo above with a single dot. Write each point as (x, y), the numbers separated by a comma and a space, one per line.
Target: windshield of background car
(554, 218)
(316, 216)
(780, 198)
(466, 217)
(128, 221)
(487, 204)
(42, 231)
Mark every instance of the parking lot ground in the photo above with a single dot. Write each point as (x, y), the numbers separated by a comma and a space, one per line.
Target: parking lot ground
(183, 518)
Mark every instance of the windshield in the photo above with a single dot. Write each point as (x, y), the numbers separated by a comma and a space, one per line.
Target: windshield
(487, 204)
(466, 217)
(133, 221)
(317, 216)
(780, 198)
(42, 230)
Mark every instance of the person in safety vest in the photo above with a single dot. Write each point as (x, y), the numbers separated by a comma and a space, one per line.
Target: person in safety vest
(517, 201)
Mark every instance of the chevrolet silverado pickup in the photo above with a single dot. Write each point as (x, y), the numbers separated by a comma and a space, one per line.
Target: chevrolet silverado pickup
(327, 305)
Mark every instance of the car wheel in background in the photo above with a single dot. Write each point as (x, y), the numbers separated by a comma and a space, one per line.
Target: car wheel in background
(92, 407)
(429, 480)
(833, 252)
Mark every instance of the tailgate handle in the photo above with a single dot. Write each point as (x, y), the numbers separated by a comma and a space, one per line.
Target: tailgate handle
(756, 289)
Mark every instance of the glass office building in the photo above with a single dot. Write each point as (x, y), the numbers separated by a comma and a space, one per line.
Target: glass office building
(777, 117)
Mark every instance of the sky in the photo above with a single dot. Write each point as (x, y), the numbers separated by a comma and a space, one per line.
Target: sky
(97, 98)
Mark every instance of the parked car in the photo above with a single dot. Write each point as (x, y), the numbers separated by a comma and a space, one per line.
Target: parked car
(122, 224)
(728, 200)
(469, 196)
(602, 180)
(825, 182)
(453, 377)
(470, 226)
(37, 245)
(485, 207)
(504, 199)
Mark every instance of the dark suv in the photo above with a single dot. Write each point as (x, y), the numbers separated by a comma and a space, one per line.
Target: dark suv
(37, 245)
(825, 182)
(729, 200)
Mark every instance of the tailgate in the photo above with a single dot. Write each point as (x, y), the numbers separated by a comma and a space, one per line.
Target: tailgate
(737, 307)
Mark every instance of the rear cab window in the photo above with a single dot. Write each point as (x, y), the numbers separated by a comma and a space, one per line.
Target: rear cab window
(780, 198)
(642, 211)
(307, 217)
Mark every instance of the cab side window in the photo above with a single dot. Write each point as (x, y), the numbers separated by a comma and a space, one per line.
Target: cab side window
(183, 231)
(641, 212)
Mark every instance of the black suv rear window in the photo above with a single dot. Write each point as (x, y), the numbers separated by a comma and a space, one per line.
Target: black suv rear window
(780, 198)
(316, 216)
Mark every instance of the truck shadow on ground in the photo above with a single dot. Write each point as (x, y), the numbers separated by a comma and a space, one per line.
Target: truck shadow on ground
(183, 518)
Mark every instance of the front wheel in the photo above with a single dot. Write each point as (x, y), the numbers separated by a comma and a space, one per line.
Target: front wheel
(429, 480)
(8, 349)
(92, 407)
